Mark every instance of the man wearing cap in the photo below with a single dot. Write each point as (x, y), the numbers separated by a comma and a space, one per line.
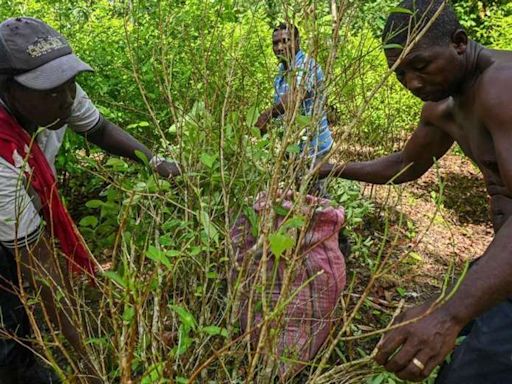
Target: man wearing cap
(39, 98)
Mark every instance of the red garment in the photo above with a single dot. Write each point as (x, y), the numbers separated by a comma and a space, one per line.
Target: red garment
(13, 138)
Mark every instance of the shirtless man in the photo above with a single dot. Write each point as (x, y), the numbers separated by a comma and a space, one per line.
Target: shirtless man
(467, 90)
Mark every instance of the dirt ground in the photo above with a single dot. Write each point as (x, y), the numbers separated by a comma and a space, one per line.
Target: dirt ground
(436, 232)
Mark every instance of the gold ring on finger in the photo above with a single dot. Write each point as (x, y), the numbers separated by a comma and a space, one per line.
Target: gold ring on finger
(418, 363)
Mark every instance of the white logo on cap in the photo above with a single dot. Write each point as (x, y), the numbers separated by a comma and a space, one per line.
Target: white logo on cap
(44, 46)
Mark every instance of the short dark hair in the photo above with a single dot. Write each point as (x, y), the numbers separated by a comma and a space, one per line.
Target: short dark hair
(400, 24)
(287, 27)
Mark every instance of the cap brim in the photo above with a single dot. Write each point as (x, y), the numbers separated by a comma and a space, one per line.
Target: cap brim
(53, 74)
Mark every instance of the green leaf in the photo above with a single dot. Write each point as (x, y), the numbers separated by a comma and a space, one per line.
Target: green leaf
(280, 242)
(172, 253)
(142, 157)
(153, 374)
(94, 204)
(213, 330)
(100, 341)
(128, 314)
(303, 121)
(165, 240)
(208, 226)
(293, 148)
(186, 318)
(415, 256)
(181, 380)
(139, 124)
(251, 215)
(378, 379)
(117, 164)
(89, 221)
(157, 255)
(393, 46)
(401, 10)
(115, 277)
(256, 132)
(208, 160)
(212, 275)
(252, 116)
(195, 251)
(280, 210)
(294, 222)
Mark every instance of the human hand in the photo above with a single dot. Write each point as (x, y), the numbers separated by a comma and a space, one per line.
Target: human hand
(168, 169)
(412, 351)
(263, 120)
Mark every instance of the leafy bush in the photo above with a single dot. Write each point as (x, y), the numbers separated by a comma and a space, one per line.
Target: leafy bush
(188, 78)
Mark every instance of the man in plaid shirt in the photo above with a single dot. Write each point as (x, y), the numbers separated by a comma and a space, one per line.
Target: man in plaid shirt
(299, 76)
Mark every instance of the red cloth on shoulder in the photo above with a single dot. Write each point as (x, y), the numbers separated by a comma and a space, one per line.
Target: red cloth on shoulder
(13, 138)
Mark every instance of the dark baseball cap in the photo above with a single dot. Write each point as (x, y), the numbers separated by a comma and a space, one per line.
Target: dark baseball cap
(36, 55)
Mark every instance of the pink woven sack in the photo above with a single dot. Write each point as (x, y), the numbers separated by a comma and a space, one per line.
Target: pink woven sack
(309, 317)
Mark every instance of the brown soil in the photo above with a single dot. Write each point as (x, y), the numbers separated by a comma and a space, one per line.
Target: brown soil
(438, 235)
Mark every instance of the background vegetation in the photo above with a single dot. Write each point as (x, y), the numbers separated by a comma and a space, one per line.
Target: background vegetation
(188, 77)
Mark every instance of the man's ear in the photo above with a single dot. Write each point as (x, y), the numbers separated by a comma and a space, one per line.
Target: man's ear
(460, 41)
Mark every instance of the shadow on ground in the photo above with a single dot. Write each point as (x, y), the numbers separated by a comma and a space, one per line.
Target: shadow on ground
(464, 195)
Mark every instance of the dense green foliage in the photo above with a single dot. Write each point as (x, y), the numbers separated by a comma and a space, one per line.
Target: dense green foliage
(188, 77)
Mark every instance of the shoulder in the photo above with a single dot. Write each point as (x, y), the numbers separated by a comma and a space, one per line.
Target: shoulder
(437, 113)
(84, 114)
(493, 89)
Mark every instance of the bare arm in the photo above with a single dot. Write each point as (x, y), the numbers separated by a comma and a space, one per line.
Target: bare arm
(487, 283)
(427, 144)
(116, 141)
(273, 112)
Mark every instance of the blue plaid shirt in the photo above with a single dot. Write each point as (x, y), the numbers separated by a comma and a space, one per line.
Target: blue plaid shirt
(310, 79)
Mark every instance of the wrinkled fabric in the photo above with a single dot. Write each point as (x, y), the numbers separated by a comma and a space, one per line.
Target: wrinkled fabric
(309, 317)
(309, 78)
(15, 144)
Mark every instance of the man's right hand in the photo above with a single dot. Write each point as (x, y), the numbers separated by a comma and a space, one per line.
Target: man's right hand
(168, 169)
(413, 350)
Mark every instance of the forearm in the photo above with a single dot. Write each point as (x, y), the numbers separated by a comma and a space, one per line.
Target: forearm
(386, 169)
(118, 142)
(278, 109)
(488, 282)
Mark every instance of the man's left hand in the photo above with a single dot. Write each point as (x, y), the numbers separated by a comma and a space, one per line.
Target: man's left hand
(414, 350)
(263, 120)
(168, 169)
